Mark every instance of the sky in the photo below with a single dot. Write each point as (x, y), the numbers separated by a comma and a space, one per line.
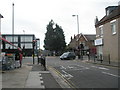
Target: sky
(33, 16)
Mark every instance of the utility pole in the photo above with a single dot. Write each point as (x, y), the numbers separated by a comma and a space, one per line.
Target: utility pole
(13, 24)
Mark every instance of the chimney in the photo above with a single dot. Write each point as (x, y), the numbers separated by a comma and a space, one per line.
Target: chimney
(109, 9)
(71, 38)
(1, 16)
(96, 20)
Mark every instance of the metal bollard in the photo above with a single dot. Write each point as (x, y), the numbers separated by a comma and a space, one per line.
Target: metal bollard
(44, 64)
(109, 58)
(101, 58)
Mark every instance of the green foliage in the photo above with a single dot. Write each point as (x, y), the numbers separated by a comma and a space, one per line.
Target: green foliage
(54, 38)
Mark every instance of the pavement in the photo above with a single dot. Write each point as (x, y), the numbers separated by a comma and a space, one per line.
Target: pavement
(113, 64)
(31, 77)
(34, 77)
(106, 63)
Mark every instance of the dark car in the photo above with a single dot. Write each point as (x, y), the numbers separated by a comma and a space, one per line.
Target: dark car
(68, 55)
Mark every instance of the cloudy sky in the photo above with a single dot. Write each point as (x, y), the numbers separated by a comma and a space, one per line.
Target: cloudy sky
(32, 16)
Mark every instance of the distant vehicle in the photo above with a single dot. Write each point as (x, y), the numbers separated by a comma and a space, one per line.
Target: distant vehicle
(68, 56)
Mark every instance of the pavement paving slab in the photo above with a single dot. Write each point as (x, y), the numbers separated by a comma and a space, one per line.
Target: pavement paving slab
(34, 80)
(15, 78)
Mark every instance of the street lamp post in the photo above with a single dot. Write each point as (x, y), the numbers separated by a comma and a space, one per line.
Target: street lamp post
(0, 22)
(24, 44)
(77, 27)
(77, 21)
(0, 36)
(37, 48)
(13, 24)
(34, 41)
(24, 37)
(78, 34)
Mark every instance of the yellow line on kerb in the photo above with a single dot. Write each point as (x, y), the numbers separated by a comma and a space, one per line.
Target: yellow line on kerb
(66, 80)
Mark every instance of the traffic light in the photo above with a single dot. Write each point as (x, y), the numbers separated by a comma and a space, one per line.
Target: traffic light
(81, 46)
(34, 42)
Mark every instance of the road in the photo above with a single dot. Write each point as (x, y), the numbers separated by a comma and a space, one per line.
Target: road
(80, 74)
(29, 60)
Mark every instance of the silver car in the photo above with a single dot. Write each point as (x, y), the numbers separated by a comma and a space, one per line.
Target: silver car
(68, 56)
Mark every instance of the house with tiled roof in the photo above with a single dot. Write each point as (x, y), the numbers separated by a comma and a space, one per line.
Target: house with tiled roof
(86, 40)
(108, 35)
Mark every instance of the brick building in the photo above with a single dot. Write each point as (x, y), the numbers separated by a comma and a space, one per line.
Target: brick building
(87, 41)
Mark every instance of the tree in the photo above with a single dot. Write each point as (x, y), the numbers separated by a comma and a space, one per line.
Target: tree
(60, 38)
(48, 42)
(54, 38)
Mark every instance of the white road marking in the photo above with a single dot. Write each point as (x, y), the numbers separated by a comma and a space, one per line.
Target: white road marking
(70, 67)
(87, 68)
(93, 66)
(110, 74)
(103, 68)
(75, 67)
(66, 75)
(83, 67)
(62, 67)
(64, 71)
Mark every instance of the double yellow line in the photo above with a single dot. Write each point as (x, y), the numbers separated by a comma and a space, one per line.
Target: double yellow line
(70, 83)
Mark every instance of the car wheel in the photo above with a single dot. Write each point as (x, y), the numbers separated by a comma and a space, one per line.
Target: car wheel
(61, 58)
(73, 57)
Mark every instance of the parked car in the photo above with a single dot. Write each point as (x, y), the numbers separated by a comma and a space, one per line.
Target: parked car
(68, 55)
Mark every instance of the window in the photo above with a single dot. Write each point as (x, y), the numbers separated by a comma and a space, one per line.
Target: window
(10, 38)
(100, 52)
(15, 38)
(26, 38)
(15, 45)
(1, 46)
(113, 26)
(8, 46)
(101, 30)
(27, 45)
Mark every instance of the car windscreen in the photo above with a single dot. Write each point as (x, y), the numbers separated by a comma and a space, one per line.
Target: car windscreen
(65, 54)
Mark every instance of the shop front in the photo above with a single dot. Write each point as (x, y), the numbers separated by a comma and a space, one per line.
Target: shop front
(99, 47)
